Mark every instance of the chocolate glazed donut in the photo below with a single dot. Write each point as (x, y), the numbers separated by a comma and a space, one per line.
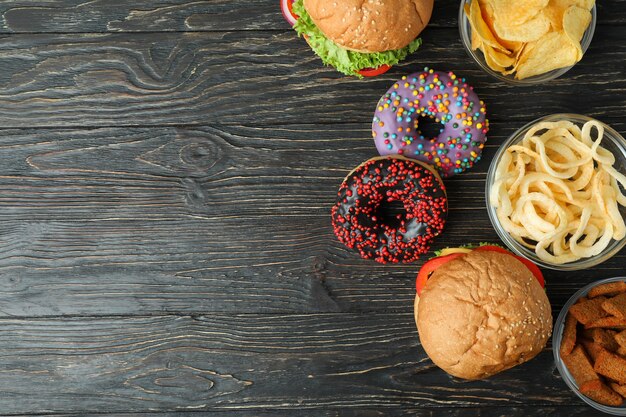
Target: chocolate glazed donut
(363, 217)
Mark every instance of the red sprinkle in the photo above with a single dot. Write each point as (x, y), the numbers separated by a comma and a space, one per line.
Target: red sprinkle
(381, 181)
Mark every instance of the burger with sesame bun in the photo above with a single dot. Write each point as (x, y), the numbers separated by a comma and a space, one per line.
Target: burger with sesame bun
(481, 310)
(360, 38)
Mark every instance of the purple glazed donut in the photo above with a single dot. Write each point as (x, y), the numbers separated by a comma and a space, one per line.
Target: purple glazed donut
(445, 99)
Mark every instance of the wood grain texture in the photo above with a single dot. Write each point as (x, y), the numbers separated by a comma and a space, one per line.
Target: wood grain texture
(166, 174)
(491, 411)
(246, 363)
(72, 16)
(99, 16)
(189, 220)
(75, 16)
(187, 78)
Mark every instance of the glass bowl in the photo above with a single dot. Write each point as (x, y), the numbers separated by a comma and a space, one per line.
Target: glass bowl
(465, 29)
(557, 336)
(612, 141)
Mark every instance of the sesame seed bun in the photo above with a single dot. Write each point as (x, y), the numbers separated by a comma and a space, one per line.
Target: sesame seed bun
(370, 25)
(482, 313)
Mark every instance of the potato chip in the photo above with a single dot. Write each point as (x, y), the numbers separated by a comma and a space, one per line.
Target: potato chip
(497, 58)
(556, 18)
(517, 12)
(575, 22)
(476, 41)
(556, 9)
(480, 27)
(487, 12)
(528, 31)
(539, 57)
(585, 4)
(486, 7)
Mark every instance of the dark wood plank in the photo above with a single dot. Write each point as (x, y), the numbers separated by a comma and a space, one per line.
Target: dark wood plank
(246, 363)
(190, 220)
(260, 78)
(79, 16)
(71, 16)
(490, 411)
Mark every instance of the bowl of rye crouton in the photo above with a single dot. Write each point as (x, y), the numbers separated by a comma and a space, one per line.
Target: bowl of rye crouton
(589, 345)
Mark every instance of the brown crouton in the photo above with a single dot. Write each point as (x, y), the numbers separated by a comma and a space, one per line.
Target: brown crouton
(621, 351)
(616, 306)
(569, 335)
(620, 389)
(607, 289)
(592, 348)
(620, 338)
(601, 393)
(610, 322)
(605, 338)
(612, 366)
(579, 366)
(589, 311)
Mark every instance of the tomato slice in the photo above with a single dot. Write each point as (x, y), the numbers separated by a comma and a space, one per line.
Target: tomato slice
(286, 6)
(534, 269)
(494, 248)
(429, 267)
(372, 72)
(529, 264)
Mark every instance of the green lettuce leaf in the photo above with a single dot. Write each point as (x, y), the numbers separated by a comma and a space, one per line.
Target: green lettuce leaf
(345, 61)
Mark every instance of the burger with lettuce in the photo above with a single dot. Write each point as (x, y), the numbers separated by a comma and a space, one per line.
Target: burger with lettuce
(360, 38)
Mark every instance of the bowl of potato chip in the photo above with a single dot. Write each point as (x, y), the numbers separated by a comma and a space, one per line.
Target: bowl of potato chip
(527, 41)
(556, 192)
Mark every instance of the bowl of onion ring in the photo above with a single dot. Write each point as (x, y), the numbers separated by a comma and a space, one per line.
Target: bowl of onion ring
(556, 190)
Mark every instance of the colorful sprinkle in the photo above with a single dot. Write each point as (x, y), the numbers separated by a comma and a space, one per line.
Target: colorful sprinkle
(444, 98)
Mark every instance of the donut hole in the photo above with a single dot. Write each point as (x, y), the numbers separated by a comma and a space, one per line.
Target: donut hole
(428, 127)
(391, 213)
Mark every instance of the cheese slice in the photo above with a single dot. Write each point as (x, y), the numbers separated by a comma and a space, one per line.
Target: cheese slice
(450, 251)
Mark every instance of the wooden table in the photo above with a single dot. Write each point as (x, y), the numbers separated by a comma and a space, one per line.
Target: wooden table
(167, 170)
